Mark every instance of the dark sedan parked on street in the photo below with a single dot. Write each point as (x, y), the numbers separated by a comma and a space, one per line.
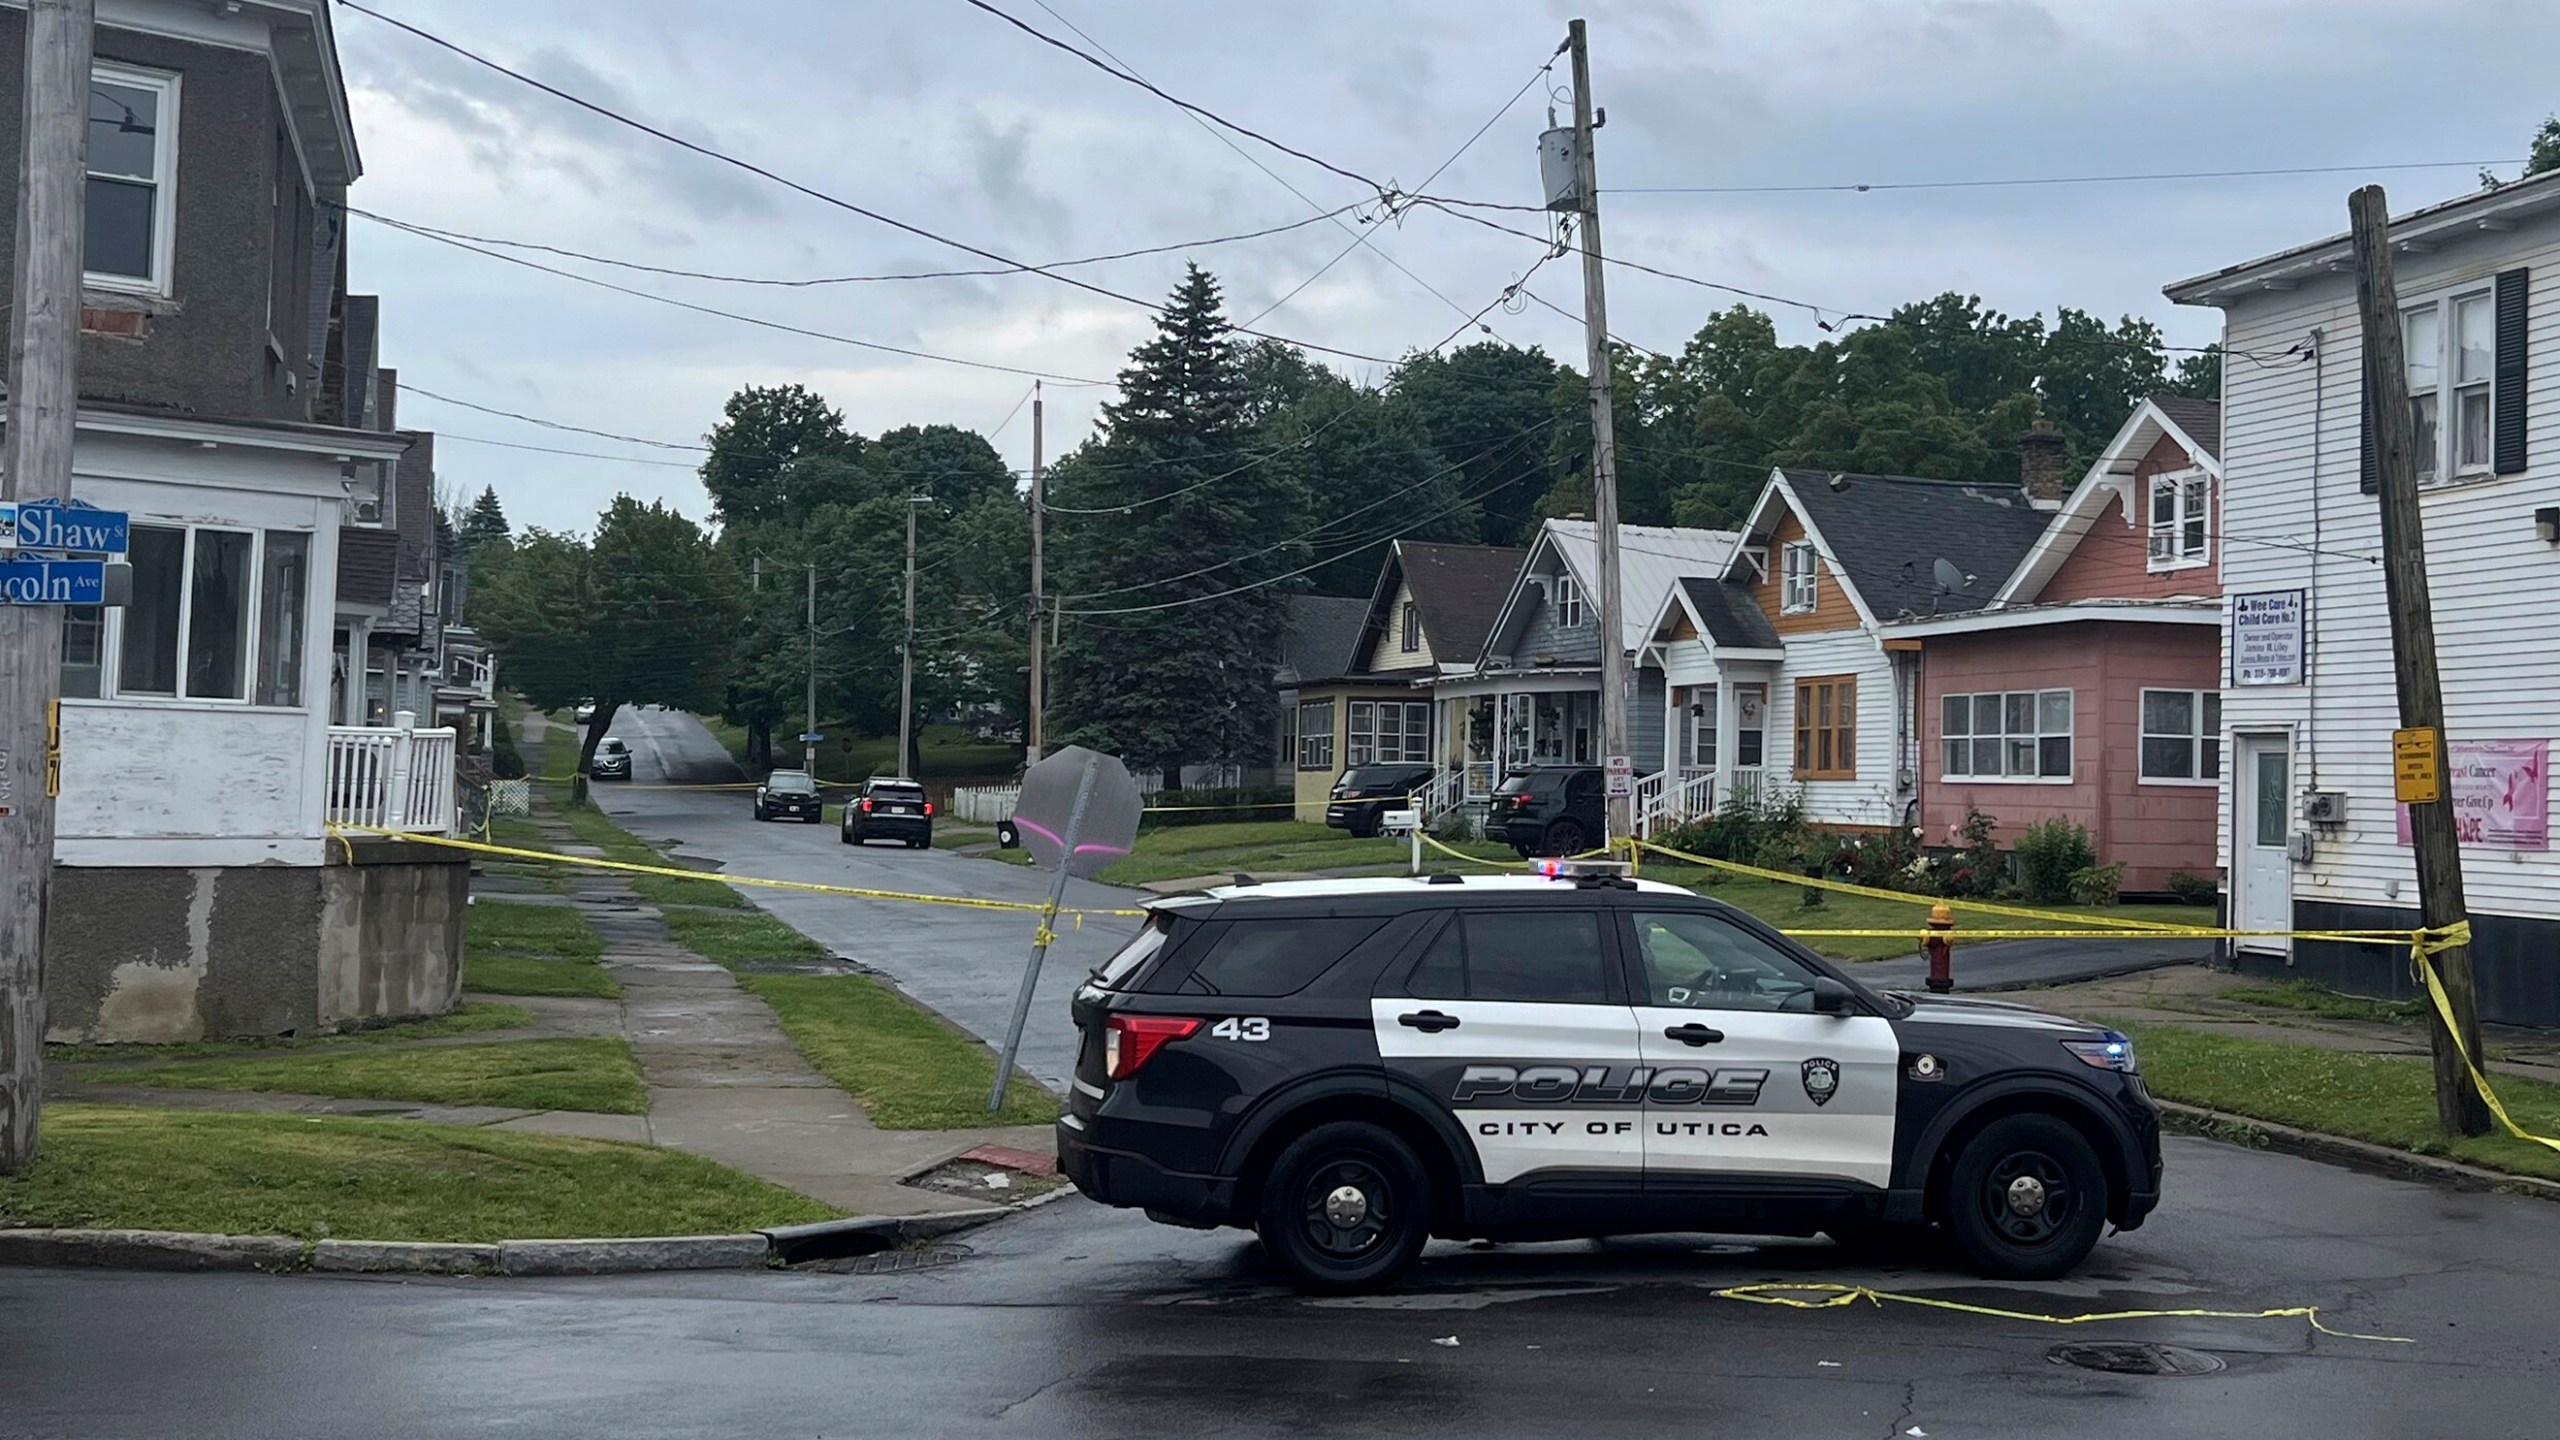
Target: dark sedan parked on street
(1365, 793)
(889, 810)
(789, 792)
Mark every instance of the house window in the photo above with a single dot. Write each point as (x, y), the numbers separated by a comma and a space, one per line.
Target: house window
(2180, 535)
(1388, 732)
(212, 608)
(2182, 735)
(1568, 603)
(1411, 639)
(1827, 728)
(133, 166)
(1315, 735)
(2010, 735)
(84, 649)
(2452, 345)
(1801, 579)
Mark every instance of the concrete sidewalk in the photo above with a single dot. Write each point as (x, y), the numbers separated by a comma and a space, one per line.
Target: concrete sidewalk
(2028, 964)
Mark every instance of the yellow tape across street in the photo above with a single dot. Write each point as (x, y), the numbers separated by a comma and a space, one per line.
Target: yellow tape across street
(340, 832)
(1812, 1296)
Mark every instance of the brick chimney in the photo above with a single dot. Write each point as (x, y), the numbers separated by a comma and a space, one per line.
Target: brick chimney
(2040, 465)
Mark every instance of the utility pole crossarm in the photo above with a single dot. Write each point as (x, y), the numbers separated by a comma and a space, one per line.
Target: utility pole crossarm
(2434, 843)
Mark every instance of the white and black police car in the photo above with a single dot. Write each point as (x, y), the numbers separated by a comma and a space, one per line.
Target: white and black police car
(1350, 1067)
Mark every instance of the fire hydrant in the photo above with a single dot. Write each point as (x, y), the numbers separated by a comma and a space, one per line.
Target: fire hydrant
(1941, 946)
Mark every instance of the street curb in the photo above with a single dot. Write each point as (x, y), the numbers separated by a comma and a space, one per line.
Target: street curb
(414, 1257)
(2353, 1154)
(151, 1250)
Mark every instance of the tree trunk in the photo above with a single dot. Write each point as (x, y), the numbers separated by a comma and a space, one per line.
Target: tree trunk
(759, 746)
(913, 763)
(605, 711)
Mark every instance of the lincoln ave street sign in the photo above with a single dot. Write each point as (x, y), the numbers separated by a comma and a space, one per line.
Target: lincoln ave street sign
(53, 582)
(52, 525)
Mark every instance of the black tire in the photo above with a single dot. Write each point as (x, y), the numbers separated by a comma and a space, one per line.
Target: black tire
(759, 813)
(818, 819)
(2017, 1161)
(1520, 850)
(918, 844)
(1564, 837)
(1364, 827)
(843, 835)
(1305, 1231)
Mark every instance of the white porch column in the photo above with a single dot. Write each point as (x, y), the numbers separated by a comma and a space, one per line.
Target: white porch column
(359, 659)
(1728, 735)
(396, 798)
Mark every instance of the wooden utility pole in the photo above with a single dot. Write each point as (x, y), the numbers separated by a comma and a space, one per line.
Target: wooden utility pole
(2459, 1108)
(808, 742)
(1032, 734)
(44, 395)
(1604, 444)
(907, 644)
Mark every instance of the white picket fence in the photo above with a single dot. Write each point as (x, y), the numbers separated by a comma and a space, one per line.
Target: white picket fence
(990, 804)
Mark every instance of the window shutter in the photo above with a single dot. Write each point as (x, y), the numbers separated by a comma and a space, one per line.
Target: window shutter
(2513, 288)
(2369, 473)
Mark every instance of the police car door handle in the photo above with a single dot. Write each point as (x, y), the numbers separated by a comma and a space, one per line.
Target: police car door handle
(1428, 1021)
(1694, 1034)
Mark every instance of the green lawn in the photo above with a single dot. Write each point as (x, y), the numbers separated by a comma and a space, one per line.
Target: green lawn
(2386, 1099)
(594, 1073)
(1256, 847)
(911, 1070)
(593, 827)
(471, 1017)
(516, 949)
(2327, 1003)
(314, 1177)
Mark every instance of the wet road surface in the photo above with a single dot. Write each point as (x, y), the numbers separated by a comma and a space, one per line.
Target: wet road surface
(1075, 1321)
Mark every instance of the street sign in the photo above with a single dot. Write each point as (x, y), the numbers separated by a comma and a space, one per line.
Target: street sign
(55, 525)
(2416, 778)
(1622, 776)
(53, 582)
(811, 738)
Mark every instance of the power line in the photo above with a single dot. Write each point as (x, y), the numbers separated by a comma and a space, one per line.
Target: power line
(813, 281)
(797, 187)
(1863, 188)
(754, 320)
(408, 389)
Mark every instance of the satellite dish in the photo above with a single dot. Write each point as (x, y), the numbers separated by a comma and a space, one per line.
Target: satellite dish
(1952, 580)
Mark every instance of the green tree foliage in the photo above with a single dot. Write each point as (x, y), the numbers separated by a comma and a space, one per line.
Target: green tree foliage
(2545, 154)
(769, 455)
(485, 523)
(1189, 677)
(645, 613)
(1487, 409)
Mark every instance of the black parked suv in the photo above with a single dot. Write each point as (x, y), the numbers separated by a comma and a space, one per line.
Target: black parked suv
(612, 760)
(1549, 810)
(792, 793)
(888, 810)
(1351, 1067)
(1365, 793)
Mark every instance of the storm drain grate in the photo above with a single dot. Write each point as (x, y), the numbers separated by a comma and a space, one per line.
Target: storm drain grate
(902, 1262)
(2133, 1358)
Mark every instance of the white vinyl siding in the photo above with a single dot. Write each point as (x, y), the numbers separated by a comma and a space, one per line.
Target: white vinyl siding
(1868, 798)
(2495, 584)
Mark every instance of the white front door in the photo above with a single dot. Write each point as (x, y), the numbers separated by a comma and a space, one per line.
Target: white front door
(2262, 820)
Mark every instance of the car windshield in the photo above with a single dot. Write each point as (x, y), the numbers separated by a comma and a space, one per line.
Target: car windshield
(612, 747)
(789, 782)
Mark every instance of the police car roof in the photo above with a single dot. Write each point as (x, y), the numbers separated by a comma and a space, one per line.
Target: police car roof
(1417, 887)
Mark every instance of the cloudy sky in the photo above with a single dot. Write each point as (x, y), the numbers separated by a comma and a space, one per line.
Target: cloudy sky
(937, 114)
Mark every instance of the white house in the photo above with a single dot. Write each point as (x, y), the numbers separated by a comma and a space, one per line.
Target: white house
(2309, 826)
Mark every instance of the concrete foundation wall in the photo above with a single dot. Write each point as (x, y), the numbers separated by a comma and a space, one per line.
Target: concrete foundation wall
(152, 955)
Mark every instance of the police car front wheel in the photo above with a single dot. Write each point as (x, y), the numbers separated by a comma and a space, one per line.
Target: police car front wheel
(1346, 1207)
(2027, 1198)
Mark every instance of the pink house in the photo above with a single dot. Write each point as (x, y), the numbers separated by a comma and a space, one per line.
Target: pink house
(2089, 689)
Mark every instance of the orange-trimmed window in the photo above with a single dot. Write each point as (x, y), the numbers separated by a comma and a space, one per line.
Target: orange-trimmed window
(1827, 728)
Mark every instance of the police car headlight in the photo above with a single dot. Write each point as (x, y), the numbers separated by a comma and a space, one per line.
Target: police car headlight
(2113, 1052)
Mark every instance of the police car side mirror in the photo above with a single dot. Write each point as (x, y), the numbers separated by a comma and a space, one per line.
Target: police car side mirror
(1830, 997)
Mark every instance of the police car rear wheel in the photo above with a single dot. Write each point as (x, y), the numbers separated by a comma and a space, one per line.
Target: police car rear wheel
(2027, 1198)
(1346, 1208)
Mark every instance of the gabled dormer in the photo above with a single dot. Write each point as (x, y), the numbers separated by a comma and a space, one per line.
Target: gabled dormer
(2144, 523)
(1833, 551)
(1551, 620)
(1432, 605)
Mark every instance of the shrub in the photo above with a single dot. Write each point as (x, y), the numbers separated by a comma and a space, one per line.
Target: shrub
(2194, 889)
(1882, 858)
(1976, 869)
(2097, 884)
(1454, 826)
(1742, 830)
(2051, 854)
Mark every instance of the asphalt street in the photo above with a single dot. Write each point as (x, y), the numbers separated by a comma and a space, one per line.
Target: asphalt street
(965, 963)
(1070, 1320)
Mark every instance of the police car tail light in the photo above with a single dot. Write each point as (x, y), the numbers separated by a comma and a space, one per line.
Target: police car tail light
(2114, 1052)
(866, 804)
(1129, 1041)
(928, 809)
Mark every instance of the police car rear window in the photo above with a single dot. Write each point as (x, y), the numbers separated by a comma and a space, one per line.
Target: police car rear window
(1265, 958)
(1114, 973)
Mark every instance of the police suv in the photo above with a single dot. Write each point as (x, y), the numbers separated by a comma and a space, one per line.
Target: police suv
(1350, 1067)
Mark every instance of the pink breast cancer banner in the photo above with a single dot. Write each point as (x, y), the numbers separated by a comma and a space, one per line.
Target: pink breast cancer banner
(2501, 793)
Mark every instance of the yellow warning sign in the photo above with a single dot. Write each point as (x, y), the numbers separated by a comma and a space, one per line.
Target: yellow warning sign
(2417, 773)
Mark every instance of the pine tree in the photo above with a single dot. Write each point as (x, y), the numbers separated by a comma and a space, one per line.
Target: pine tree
(1198, 563)
(484, 522)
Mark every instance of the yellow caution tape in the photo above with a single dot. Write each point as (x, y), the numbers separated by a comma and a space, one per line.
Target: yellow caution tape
(1872, 892)
(2423, 945)
(340, 832)
(1804, 1296)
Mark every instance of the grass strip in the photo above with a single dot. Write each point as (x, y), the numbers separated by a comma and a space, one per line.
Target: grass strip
(471, 1017)
(517, 949)
(2329, 1004)
(595, 1073)
(325, 1176)
(2385, 1099)
(593, 827)
(742, 938)
(909, 1068)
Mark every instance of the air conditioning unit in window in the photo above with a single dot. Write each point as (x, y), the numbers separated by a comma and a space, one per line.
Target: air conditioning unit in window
(2325, 807)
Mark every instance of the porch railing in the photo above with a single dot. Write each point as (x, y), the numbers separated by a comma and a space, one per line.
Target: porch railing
(395, 778)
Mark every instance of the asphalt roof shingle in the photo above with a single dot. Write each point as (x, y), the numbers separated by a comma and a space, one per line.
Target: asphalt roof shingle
(1889, 531)
(1324, 631)
(1731, 613)
(1460, 588)
(2201, 419)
